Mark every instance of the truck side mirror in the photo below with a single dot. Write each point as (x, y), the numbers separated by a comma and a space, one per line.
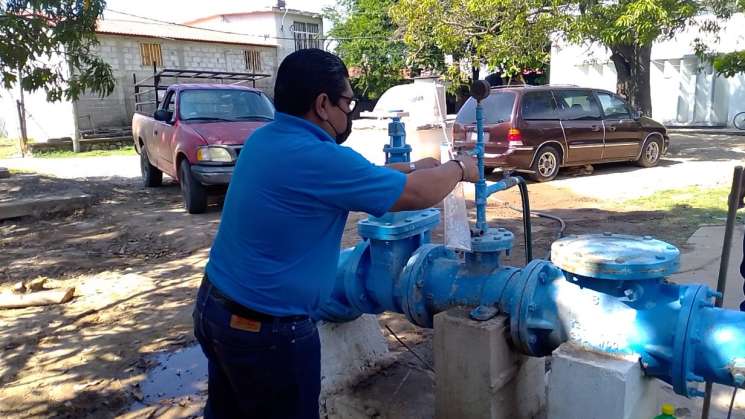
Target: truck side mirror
(163, 115)
(637, 115)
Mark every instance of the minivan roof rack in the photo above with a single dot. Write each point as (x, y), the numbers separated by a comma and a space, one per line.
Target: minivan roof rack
(507, 86)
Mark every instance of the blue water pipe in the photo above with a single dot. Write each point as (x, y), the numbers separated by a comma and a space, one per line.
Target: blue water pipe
(605, 292)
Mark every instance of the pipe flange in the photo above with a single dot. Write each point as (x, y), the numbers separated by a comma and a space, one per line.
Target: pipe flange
(494, 240)
(534, 325)
(399, 225)
(354, 286)
(413, 301)
(695, 298)
(615, 257)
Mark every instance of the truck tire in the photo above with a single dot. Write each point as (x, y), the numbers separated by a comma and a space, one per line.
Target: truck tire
(195, 194)
(151, 175)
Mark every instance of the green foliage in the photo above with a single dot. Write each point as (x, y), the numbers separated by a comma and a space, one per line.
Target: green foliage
(729, 64)
(507, 34)
(726, 64)
(366, 43)
(42, 37)
(631, 22)
(126, 151)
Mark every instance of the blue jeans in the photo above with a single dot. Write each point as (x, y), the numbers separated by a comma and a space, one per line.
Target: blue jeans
(273, 372)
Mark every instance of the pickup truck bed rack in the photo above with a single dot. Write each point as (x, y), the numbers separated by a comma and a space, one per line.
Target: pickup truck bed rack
(154, 83)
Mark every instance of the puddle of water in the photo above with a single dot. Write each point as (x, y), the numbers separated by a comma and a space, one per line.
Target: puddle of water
(177, 374)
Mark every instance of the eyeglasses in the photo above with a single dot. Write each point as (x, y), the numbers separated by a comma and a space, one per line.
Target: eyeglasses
(351, 100)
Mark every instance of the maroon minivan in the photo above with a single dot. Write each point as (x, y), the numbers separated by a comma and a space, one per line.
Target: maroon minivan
(538, 129)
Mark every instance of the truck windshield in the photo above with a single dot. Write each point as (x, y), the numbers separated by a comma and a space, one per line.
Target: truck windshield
(224, 105)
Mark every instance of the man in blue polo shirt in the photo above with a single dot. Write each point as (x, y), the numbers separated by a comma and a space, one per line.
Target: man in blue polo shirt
(274, 258)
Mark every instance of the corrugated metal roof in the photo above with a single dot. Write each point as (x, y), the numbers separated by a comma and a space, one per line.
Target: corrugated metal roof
(269, 9)
(172, 31)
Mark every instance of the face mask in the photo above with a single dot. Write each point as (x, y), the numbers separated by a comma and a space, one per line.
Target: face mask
(341, 137)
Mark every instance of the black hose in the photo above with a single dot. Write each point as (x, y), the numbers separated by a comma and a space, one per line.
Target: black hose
(527, 229)
(732, 403)
(562, 224)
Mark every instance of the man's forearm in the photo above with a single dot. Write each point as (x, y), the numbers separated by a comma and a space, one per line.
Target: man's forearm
(401, 167)
(427, 187)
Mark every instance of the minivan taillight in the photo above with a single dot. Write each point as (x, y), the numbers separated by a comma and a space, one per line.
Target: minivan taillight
(514, 137)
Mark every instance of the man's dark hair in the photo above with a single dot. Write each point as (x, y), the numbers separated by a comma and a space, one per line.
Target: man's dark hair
(305, 74)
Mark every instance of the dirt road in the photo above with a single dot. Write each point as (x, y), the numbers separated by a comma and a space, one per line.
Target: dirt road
(136, 258)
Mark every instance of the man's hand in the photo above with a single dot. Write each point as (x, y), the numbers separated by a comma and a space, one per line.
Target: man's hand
(426, 163)
(470, 166)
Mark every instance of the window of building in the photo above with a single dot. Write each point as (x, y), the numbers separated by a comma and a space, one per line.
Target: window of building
(252, 59)
(150, 54)
(306, 35)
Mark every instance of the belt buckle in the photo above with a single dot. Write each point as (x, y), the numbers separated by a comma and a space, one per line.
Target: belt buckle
(245, 324)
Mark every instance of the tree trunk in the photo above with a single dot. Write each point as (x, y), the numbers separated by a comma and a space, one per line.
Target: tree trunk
(632, 64)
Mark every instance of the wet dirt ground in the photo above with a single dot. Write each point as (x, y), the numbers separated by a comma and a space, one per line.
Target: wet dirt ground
(136, 257)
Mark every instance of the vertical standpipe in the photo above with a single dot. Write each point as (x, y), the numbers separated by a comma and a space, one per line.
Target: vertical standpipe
(480, 91)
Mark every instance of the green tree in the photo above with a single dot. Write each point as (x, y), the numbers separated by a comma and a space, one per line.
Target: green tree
(366, 42)
(727, 64)
(504, 34)
(628, 28)
(41, 40)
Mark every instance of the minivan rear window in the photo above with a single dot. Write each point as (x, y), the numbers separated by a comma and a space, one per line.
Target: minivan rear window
(497, 109)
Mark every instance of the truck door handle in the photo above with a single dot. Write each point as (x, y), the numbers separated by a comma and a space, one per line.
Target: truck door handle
(612, 127)
(595, 128)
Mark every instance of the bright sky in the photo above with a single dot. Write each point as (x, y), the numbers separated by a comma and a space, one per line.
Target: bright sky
(183, 10)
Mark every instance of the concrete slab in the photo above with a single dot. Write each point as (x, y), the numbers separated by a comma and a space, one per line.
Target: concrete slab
(700, 262)
(587, 385)
(479, 376)
(44, 205)
(4, 173)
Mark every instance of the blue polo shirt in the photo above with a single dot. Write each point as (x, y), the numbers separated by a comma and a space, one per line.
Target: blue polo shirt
(278, 243)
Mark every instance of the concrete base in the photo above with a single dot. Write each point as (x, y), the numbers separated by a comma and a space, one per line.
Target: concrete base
(478, 374)
(586, 385)
(43, 205)
(350, 352)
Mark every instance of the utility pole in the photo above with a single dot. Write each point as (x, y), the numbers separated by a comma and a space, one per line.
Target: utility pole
(21, 104)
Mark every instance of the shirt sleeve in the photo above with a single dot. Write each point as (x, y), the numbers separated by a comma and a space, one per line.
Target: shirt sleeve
(350, 182)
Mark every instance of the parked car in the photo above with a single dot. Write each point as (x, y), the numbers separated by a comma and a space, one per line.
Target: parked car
(539, 129)
(196, 135)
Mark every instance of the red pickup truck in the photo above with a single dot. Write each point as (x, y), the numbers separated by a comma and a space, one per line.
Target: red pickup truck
(196, 135)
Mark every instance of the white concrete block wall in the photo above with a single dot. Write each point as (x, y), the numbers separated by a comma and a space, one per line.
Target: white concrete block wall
(123, 53)
(681, 94)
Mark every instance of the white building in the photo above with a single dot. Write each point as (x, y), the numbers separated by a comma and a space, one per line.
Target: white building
(254, 41)
(288, 29)
(684, 91)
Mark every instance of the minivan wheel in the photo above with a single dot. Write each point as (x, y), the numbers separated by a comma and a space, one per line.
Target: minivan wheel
(546, 164)
(650, 154)
(151, 175)
(195, 194)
